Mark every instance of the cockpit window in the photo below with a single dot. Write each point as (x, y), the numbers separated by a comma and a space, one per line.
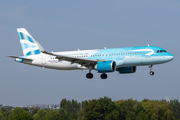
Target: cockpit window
(160, 51)
(164, 51)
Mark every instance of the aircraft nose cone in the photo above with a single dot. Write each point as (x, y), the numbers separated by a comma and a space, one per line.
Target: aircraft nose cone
(170, 57)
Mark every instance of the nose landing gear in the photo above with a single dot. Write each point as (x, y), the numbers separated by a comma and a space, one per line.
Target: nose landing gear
(151, 72)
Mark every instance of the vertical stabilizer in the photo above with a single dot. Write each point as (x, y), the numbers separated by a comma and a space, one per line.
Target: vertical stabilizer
(28, 44)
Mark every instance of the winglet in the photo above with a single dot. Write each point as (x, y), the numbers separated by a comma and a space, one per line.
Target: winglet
(40, 47)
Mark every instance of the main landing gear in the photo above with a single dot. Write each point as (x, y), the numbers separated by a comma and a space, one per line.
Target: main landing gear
(89, 75)
(151, 72)
(103, 76)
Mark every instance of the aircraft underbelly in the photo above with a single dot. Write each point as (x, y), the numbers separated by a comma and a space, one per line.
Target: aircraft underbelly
(62, 66)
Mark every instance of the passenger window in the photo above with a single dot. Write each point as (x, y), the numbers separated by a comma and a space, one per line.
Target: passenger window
(158, 51)
(161, 51)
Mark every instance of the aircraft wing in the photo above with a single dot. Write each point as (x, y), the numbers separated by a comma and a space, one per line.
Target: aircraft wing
(81, 61)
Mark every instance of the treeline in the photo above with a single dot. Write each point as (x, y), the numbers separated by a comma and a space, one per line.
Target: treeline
(100, 109)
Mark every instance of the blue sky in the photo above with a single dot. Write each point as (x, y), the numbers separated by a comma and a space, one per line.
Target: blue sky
(71, 25)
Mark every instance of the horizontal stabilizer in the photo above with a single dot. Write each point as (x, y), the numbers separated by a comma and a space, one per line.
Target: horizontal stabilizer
(21, 58)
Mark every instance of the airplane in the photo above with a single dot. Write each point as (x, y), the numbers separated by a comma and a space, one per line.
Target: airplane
(122, 60)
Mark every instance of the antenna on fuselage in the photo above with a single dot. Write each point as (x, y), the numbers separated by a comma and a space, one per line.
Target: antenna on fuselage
(148, 45)
(104, 47)
(78, 50)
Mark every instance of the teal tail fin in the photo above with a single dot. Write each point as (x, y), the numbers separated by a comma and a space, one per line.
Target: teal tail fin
(28, 44)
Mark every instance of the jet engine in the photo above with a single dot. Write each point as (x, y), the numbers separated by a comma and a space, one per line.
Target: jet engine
(105, 66)
(124, 70)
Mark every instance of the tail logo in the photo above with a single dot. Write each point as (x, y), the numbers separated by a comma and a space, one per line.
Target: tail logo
(28, 44)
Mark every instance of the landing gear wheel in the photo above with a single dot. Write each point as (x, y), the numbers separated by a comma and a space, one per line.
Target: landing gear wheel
(89, 75)
(104, 76)
(151, 73)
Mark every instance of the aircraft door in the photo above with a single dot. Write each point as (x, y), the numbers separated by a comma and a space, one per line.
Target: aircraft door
(43, 59)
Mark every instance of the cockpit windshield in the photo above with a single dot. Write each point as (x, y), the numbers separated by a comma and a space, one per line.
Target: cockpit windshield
(160, 51)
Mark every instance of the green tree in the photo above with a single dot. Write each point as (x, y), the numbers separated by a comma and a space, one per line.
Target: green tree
(34, 111)
(36, 117)
(25, 109)
(114, 115)
(2, 113)
(128, 108)
(15, 112)
(158, 110)
(24, 116)
(49, 114)
(93, 111)
(71, 107)
(141, 113)
(109, 109)
(62, 114)
(41, 114)
(80, 114)
(7, 112)
(175, 105)
(142, 116)
(2, 117)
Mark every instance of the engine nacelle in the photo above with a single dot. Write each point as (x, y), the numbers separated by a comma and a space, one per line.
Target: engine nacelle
(124, 70)
(105, 66)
